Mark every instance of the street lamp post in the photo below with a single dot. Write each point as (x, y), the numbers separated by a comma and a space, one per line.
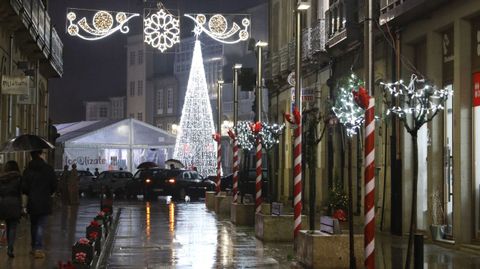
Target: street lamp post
(258, 181)
(236, 163)
(297, 174)
(219, 133)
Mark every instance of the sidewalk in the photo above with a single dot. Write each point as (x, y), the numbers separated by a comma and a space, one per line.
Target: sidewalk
(65, 226)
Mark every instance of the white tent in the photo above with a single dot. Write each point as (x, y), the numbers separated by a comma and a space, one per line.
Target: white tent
(112, 144)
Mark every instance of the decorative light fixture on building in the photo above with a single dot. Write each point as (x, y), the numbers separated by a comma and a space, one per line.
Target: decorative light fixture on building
(161, 29)
(103, 23)
(217, 27)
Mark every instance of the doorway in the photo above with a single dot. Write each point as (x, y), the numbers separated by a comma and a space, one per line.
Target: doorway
(448, 167)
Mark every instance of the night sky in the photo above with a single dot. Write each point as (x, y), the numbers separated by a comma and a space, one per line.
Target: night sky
(96, 70)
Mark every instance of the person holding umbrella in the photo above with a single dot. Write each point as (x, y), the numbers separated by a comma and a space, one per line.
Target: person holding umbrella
(11, 201)
(39, 183)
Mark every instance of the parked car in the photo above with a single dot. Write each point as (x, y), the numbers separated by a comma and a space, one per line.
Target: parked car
(84, 181)
(247, 179)
(226, 182)
(113, 181)
(177, 183)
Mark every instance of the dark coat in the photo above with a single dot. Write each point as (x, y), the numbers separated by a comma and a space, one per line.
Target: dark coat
(10, 195)
(39, 183)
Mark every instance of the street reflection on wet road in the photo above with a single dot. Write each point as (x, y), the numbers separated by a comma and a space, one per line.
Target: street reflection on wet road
(186, 235)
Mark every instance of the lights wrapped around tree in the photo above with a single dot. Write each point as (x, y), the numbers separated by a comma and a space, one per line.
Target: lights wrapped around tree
(103, 23)
(418, 102)
(269, 134)
(346, 109)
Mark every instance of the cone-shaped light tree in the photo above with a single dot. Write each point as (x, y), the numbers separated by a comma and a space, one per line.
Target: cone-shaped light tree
(194, 145)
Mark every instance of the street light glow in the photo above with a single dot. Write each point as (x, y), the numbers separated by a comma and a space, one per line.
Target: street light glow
(237, 66)
(261, 44)
(303, 5)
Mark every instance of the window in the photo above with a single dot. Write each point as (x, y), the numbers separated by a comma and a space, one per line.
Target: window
(140, 116)
(103, 112)
(132, 88)
(132, 57)
(170, 100)
(159, 101)
(140, 57)
(140, 87)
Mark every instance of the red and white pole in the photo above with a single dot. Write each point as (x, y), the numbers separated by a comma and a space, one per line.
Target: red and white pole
(236, 165)
(217, 137)
(370, 185)
(296, 119)
(256, 128)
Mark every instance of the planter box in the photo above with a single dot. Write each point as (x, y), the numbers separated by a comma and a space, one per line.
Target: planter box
(321, 250)
(242, 214)
(210, 200)
(272, 228)
(223, 204)
(100, 237)
(81, 266)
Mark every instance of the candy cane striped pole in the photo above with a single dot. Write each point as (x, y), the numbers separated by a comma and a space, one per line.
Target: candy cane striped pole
(236, 165)
(258, 181)
(219, 165)
(297, 178)
(370, 185)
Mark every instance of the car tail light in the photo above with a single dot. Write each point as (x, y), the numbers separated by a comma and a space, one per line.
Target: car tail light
(148, 180)
(171, 180)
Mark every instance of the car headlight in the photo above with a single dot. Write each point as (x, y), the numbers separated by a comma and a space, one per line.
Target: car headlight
(148, 180)
(171, 180)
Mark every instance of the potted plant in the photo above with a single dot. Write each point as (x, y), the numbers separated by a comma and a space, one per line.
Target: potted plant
(83, 245)
(80, 261)
(438, 216)
(337, 203)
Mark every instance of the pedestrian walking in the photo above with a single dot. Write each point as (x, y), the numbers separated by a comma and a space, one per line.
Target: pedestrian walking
(10, 202)
(96, 173)
(72, 185)
(63, 185)
(39, 184)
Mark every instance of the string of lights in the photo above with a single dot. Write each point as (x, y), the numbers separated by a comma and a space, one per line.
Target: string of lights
(348, 112)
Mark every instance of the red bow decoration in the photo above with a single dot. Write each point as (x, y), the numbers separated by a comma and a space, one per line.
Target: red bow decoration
(340, 215)
(361, 97)
(256, 127)
(217, 137)
(231, 134)
(94, 224)
(295, 118)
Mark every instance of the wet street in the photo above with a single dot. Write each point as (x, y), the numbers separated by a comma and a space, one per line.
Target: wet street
(186, 235)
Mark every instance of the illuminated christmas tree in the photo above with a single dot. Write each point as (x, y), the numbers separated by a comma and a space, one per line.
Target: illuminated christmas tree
(194, 145)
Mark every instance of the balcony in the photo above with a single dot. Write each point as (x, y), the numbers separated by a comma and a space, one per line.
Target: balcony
(313, 40)
(274, 60)
(342, 24)
(283, 55)
(30, 22)
(404, 11)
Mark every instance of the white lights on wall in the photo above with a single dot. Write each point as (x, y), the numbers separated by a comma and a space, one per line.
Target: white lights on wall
(103, 23)
(217, 28)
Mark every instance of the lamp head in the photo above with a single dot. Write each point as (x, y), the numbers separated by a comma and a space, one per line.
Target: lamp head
(261, 44)
(237, 66)
(303, 5)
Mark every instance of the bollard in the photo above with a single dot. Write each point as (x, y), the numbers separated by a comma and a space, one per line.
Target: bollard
(418, 251)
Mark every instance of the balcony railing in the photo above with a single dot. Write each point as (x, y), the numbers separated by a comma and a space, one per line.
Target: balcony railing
(336, 22)
(284, 58)
(274, 60)
(313, 39)
(37, 23)
(407, 9)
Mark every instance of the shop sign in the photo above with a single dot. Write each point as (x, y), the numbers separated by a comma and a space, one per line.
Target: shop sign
(15, 84)
(476, 89)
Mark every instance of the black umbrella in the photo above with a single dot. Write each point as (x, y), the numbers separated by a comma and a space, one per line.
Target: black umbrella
(176, 163)
(26, 142)
(145, 165)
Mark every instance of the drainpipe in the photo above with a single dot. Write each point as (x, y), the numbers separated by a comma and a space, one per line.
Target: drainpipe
(37, 99)
(10, 98)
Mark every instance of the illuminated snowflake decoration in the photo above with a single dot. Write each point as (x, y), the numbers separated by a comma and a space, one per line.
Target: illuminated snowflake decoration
(103, 24)
(216, 27)
(161, 30)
